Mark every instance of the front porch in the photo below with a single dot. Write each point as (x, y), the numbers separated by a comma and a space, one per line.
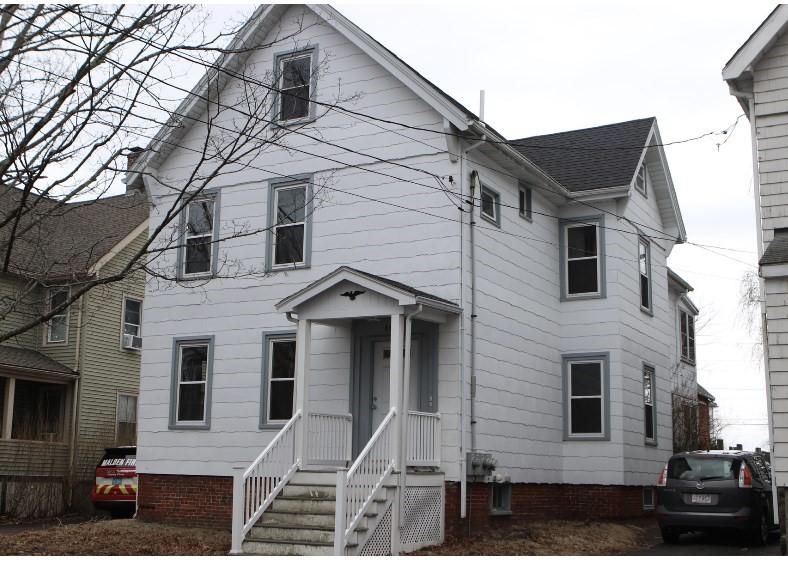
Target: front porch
(389, 432)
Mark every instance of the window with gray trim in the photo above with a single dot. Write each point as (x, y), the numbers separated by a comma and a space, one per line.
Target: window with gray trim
(289, 225)
(687, 336)
(641, 180)
(582, 259)
(295, 84)
(526, 203)
(191, 382)
(199, 237)
(649, 408)
(644, 268)
(279, 378)
(490, 205)
(586, 392)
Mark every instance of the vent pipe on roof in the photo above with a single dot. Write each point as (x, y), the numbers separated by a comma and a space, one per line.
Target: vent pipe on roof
(481, 105)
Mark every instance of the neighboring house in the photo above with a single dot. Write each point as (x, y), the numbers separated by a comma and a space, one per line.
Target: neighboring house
(68, 387)
(707, 435)
(757, 75)
(513, 359)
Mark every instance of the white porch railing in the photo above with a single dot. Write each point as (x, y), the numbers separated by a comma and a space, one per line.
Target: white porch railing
(329, 439)
(356, 488)
(256, 489)
(423, 440)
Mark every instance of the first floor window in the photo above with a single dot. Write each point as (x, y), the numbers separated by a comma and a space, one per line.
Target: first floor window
(39, 411)
(649, 416)
(132, 323)
(586, 398)
(199, 236)
(582, 259)
(644, 267)
(501, 499)
(126, 418)
(648, 498)
(490, 205)
(280, 378)
(57, 327)
(290, 219)
(687, 335)
(192, 383)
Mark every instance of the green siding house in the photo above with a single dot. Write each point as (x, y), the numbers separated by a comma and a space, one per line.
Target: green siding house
(68, 387)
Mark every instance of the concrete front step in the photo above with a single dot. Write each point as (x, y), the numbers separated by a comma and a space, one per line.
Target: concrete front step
(297, 533)
(306, 506)
(322, 478)
(287, 548)
(274, 518)
(310, 491)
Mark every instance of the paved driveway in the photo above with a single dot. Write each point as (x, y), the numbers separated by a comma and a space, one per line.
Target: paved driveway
(711, 544)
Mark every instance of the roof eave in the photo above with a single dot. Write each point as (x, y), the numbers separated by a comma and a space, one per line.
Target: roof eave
(751, 51)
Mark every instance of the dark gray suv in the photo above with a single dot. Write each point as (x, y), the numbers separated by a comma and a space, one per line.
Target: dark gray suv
(706, 490)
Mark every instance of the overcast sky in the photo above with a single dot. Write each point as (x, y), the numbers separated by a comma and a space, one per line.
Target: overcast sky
(554, 67)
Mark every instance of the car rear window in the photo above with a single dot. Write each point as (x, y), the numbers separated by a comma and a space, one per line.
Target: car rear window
(119, 458)
(703, 468)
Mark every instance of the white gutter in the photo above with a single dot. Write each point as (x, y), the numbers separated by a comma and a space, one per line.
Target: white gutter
(756, 191)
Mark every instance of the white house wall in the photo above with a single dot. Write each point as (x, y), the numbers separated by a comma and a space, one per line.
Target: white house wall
(402, 244)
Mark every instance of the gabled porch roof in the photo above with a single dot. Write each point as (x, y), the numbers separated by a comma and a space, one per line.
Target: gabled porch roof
(353, 283)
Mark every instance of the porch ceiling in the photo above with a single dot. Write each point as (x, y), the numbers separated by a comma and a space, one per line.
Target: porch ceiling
(350, 293)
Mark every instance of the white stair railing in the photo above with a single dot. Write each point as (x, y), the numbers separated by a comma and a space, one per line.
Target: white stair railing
(256, 489)
(356, 488)
(423, 440)
(329, 439)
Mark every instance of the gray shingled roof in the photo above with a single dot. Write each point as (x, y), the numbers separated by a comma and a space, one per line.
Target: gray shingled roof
(31, 360)
(587, 159)
(777, 251)
(66, 241)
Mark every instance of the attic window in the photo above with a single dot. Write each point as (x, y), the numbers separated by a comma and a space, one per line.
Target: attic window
(641, 179)
(295, 80)
(491, 205)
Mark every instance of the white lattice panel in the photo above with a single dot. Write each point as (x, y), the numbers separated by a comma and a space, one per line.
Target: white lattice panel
(379, 543)
(422, 521)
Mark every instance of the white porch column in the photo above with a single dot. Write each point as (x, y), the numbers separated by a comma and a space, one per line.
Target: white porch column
(396, 381)
(8, 412)
(303, 349)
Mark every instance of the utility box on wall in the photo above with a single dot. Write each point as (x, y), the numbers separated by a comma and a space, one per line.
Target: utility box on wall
(480, 466)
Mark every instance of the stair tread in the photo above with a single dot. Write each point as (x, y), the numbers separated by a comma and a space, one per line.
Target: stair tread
(300, 498)
(293, 526)
(285, 541)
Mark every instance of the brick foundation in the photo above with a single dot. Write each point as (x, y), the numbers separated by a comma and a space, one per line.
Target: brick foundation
(542, 501)
(187, 500)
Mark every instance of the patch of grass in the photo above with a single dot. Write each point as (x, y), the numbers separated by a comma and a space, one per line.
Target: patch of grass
(547, 538)
(116, 537)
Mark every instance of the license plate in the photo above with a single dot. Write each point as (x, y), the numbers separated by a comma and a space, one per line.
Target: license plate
(700, 499)
(117, 480)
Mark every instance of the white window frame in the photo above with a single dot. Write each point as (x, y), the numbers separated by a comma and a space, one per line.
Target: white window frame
(641, 180)
(64, 315)
(269, 380)
(123, 321)
(644, 243)
(134, 395)
(210, 234)
(276, 226)
(652, 372)
(496, 217)
(310, 83)
(690, 340)
(602, 400)
(188, 344)
(526, 207)
(597, 257)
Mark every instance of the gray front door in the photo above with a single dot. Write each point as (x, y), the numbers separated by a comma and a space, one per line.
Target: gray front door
(381, 384)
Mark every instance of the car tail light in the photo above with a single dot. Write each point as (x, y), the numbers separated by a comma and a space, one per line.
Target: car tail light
(663, 476)
(745, 478)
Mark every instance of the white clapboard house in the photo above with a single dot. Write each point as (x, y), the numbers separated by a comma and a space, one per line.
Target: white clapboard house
(451, 326)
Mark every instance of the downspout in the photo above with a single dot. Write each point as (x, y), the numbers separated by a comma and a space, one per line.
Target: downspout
(72, 460)
(756, 191)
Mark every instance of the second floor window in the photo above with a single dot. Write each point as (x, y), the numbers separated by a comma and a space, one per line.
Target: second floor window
(199, 237)
(57, 328)
(295, 78)
(290, 225)
(687, 336)
(582, 259)
(132, 324)
(644, 266)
